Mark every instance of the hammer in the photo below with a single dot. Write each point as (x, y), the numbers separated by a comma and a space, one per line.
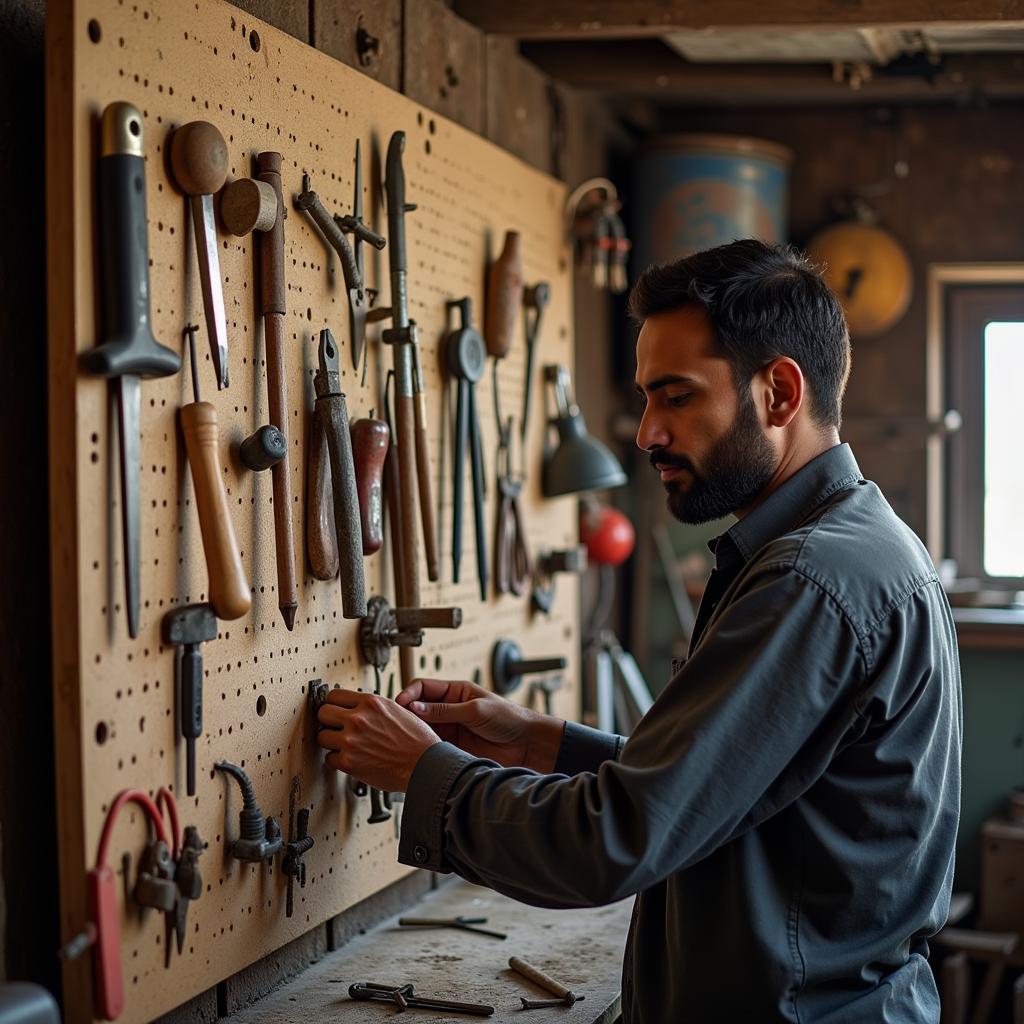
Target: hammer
(188, 627)
(566, 997)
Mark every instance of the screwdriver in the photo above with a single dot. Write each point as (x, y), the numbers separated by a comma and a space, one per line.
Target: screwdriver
(228, 588)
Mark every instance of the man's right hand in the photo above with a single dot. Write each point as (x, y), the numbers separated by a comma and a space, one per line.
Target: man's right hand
(484, 724)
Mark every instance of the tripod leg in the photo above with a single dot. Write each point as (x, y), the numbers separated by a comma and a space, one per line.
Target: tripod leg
(634, 683)
(605, 706)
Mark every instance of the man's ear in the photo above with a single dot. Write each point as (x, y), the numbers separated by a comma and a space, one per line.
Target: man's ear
(784, 391)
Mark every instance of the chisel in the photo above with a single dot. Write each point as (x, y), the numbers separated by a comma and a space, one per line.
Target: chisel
(199, 162)
(228, 589)
(130, 351)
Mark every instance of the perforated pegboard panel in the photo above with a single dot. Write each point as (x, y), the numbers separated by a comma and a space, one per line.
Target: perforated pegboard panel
(115, 718)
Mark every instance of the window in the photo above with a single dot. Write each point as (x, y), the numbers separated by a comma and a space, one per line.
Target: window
(984, 381)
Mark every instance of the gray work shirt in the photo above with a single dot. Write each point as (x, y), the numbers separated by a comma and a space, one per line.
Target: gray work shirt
(785, 813)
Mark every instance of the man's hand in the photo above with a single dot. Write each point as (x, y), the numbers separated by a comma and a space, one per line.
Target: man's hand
(372, 738)
(484, 724)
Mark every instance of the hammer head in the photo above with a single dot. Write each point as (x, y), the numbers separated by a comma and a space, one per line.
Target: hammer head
(190, 624)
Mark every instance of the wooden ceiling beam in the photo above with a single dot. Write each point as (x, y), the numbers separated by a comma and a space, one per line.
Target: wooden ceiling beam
(576, 19)
(649, 68)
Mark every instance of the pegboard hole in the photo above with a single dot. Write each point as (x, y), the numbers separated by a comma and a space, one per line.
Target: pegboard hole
(102, 732)
(95, 32)
(254, 41)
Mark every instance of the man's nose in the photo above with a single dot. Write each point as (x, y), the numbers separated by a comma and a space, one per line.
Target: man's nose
(651, 433)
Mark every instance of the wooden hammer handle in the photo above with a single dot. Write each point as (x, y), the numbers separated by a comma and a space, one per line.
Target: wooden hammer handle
(539, 977)
(425, 490)
(228, 589)
(272, 286)
(405, 437)
(504, 297)
(321, 542)
(331, 419)
(370, 440)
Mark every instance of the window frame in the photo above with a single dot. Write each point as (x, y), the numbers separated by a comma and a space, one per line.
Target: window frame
(949, 520)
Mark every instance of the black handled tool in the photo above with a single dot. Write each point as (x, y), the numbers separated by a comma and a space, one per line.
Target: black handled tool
(331, 416)
(263, 449)
(508, 666)
(466, 356)
(188, 627)
(404, 996)
(130, 351)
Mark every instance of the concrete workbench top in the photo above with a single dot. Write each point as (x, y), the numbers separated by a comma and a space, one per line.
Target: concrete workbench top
(580, 948)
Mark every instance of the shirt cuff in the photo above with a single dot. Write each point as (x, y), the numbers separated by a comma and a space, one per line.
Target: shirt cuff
(421, 842)
(584, 749)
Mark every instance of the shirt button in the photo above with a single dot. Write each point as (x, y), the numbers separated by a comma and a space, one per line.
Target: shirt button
(420, 854)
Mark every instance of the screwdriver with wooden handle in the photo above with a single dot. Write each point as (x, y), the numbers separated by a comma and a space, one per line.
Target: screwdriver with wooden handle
(228, 589)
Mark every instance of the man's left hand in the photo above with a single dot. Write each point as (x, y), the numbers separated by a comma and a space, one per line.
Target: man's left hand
(372, 738)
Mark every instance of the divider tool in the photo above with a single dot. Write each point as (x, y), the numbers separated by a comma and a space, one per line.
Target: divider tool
(535, 300)
(130, 351)
(466, 357)
(351, 255)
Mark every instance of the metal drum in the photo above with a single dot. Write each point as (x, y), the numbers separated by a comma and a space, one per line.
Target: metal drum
(693, 192)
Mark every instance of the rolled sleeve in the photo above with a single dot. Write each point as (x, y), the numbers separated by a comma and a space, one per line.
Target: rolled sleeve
(585, 750)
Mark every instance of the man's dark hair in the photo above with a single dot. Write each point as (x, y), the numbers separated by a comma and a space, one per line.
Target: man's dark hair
(763, 301)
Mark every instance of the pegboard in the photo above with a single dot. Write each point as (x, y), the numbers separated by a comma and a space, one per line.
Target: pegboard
(114, 697)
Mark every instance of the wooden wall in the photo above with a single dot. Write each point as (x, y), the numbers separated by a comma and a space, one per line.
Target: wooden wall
(960, 202)
(421, 49)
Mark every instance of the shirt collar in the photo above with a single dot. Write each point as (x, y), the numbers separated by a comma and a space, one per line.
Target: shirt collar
(832, 471)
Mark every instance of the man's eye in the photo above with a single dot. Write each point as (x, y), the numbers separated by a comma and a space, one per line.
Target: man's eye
(677, 400)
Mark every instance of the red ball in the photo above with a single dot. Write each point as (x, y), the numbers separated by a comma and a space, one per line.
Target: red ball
(607, 533)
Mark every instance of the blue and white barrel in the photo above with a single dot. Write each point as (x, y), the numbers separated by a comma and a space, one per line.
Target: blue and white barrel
(694, 192)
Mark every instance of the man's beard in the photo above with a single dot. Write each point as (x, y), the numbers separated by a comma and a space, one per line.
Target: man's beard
(736, 470)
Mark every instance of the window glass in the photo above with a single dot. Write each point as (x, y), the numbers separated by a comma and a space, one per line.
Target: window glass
(1004, 449)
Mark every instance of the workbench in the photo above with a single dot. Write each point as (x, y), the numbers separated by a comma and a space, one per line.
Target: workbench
(580, 948)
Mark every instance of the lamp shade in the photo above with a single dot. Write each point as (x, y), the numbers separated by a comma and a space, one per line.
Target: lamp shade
(579, 462)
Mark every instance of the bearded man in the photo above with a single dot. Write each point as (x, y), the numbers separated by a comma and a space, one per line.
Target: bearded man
(786, 812)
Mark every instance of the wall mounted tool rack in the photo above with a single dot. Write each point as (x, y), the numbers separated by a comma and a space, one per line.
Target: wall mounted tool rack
(115, 707)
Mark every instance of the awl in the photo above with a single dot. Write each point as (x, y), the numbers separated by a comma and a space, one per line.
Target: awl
(130, 351)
